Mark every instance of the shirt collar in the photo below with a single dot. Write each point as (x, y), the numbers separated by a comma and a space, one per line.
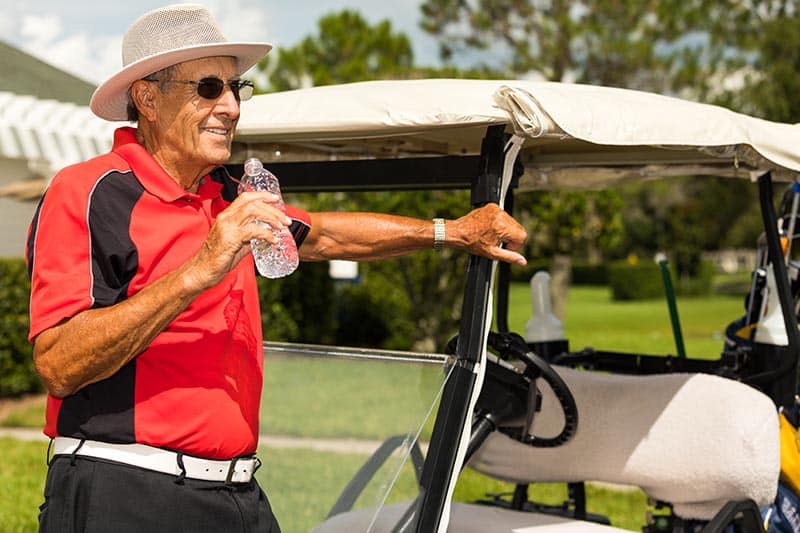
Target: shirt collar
(150, 173)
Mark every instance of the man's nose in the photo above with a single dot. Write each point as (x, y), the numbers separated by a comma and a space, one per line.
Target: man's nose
(227, 103)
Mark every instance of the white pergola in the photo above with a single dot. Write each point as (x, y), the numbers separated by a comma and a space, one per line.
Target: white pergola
(49, 135)
(37, 138)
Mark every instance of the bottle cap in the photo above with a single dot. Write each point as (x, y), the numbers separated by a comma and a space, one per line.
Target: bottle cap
(253, 167)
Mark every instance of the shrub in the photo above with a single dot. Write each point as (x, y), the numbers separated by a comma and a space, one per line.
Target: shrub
(635, 280)
(17, 374)
(524, 274)
(589, 274)
(300, 307)
(360, 318)
(698, 285)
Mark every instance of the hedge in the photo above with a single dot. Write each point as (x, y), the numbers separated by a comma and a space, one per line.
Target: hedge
(643, 280)
(699, 285)
(635, 281)
(589, 274)
(17, 375)
(581, 273)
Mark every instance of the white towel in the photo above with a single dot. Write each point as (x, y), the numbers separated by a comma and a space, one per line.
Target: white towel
(694, 440)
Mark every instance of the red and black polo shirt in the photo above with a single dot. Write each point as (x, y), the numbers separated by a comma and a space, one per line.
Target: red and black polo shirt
(105, 229)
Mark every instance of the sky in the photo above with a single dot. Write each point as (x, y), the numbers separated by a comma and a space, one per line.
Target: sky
(84, 37)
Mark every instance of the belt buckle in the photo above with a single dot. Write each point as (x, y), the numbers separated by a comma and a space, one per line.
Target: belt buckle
(231, 471)
(232, 468)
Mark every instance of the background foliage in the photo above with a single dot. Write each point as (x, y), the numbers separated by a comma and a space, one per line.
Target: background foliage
(17, 374)
(739, 54)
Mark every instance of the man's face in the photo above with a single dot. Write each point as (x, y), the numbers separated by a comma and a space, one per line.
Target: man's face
(197, 130)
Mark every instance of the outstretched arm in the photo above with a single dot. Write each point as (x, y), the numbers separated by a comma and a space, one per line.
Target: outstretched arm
(371, 236)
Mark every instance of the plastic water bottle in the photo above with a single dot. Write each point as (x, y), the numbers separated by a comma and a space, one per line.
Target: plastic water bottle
(543, 325)
(272, 260)
(544, 332)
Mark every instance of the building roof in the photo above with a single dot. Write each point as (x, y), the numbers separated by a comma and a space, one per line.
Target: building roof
(54, 133)
(25, 74)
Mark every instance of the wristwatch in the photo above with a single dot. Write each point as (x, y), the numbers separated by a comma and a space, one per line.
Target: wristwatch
(438, 234)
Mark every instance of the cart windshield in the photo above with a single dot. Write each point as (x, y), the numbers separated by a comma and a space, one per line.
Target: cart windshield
(345, 430)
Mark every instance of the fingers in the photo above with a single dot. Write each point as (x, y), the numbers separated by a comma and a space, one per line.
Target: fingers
(491, 232)
(256, 212)
(253, 215)
(502, 254)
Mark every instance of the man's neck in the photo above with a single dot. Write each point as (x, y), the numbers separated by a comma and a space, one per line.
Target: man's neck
(173, 163)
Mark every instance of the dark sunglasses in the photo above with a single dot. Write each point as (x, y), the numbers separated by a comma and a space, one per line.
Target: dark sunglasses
(211, 88)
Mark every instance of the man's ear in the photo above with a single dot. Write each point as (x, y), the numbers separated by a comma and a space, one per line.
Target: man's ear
(144, 98)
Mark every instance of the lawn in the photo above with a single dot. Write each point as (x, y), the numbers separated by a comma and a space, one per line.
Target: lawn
(316, 398)
(591, 319)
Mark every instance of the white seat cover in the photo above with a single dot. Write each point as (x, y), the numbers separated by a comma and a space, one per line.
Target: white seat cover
(694, 440)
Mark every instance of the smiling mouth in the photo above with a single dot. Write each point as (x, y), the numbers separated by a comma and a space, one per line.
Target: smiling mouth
(218, 131)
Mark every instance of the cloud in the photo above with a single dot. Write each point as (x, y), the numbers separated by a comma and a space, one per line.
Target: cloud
(40, 30)
(241, 20)
(92, 58)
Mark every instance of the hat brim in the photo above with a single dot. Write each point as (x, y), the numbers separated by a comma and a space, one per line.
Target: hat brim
(110, 99)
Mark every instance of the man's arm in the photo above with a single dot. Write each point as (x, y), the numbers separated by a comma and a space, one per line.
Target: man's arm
(95, 343)
(371, 236)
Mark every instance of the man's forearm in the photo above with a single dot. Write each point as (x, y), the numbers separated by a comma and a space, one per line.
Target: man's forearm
(96, 343)
(364, 236)
(371, 236)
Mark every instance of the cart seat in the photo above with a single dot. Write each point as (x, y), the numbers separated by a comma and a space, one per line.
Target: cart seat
(694, 440)
(464, 518)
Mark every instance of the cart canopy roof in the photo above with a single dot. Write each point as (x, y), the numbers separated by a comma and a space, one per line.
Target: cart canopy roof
(575, 136)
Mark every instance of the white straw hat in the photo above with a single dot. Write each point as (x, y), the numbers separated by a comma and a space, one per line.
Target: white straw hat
(162, 38)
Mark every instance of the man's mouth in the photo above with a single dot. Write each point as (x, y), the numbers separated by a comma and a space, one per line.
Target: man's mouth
(217, 131)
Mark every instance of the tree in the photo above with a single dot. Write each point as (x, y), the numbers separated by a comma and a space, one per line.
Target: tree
(752, 58)
(588, 224)
(744, 55)
(607, 42)
(346, 49)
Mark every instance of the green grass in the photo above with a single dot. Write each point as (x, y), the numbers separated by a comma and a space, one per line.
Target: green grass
(30, 416)
(22, 473)
(311, 397)
(593, 319)
(303, 485)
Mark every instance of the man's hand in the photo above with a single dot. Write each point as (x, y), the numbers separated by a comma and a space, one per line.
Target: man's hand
(482, 231)
(229, 238)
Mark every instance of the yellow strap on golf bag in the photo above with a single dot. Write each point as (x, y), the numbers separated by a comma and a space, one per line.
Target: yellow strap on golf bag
(790, 454)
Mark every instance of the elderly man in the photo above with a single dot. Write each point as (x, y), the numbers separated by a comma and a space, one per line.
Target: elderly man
(144, 310)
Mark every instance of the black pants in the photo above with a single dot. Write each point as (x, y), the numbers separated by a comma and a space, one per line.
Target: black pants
(95, 496)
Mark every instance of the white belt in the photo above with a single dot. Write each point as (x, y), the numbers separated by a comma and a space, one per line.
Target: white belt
(237, 470)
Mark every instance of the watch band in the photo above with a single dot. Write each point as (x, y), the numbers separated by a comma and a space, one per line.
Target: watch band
(438, 234)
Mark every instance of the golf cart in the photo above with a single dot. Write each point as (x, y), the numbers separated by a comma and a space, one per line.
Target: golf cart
(700, 437)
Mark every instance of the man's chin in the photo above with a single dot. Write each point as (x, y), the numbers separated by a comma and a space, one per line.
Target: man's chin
(218, 156)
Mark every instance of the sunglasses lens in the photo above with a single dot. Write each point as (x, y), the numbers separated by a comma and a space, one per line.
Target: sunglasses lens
(210, 88)
(244, 90)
